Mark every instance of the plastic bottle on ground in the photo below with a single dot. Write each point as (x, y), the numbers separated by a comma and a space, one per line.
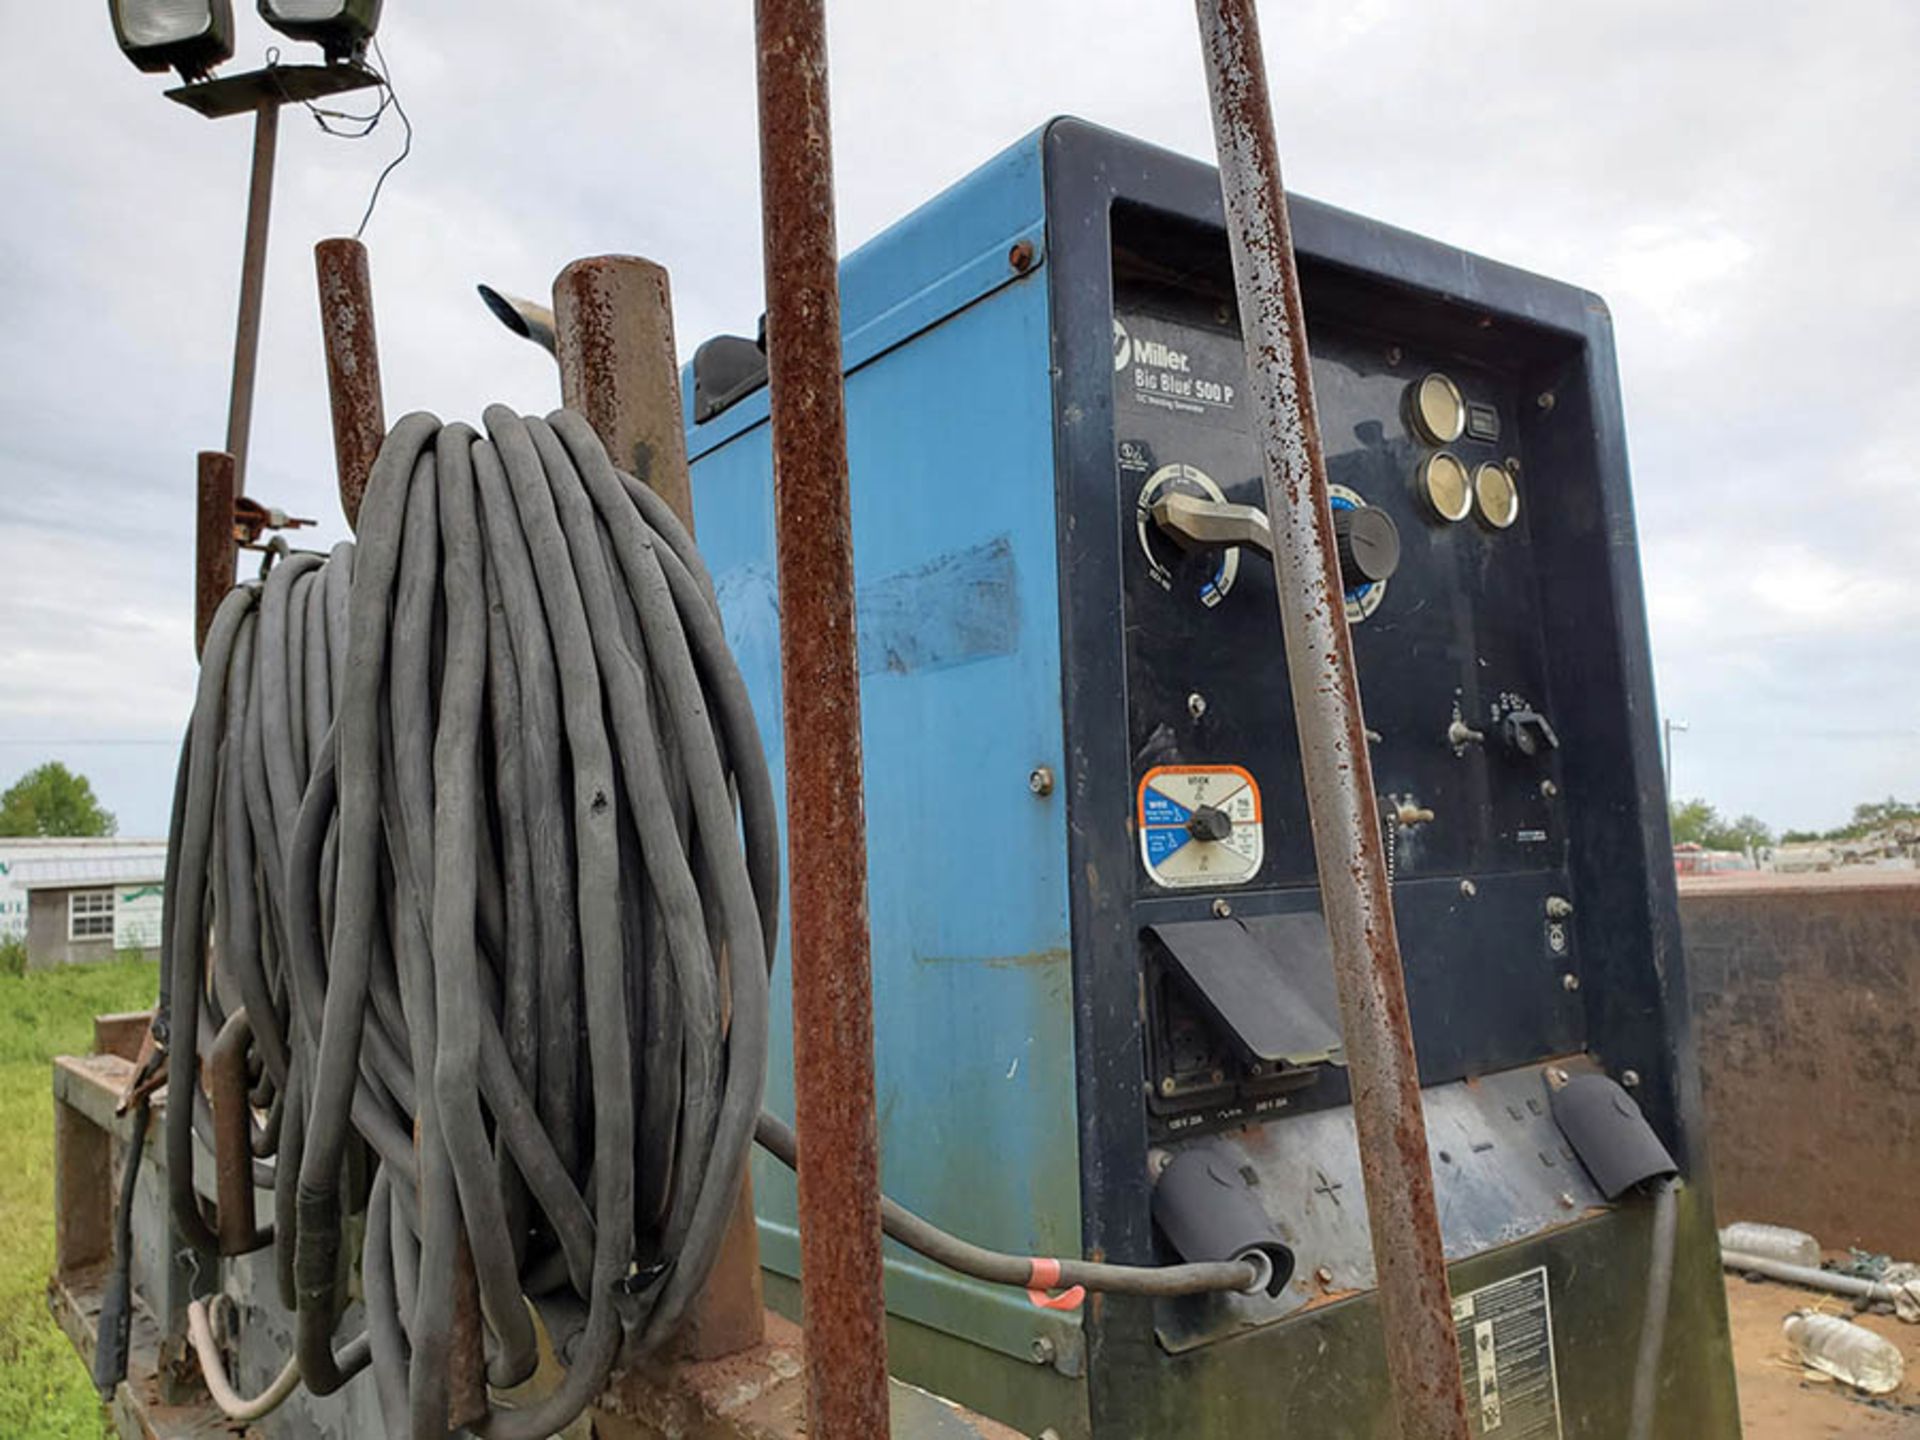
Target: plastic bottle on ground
(1850, 1353)
(1771, 1242)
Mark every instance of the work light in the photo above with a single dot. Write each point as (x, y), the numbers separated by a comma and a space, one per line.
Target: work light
(191, 36)
(340, 27)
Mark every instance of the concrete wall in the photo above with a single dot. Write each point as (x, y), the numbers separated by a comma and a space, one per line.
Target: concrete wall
(1806, 1001)
(47, 943)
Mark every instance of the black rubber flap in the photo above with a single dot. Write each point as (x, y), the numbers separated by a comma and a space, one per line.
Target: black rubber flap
(1609, 1134)
(1267, 981)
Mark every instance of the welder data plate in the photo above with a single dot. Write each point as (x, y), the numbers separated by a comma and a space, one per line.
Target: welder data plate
(1170, 797)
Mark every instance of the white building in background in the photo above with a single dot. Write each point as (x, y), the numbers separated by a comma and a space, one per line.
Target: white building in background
(76, 900)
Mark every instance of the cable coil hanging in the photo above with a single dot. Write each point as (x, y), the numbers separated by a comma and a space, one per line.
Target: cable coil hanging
(473, 877)
(474, 824)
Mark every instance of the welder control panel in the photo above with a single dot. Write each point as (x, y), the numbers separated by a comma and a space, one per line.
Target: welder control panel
(1433, 499)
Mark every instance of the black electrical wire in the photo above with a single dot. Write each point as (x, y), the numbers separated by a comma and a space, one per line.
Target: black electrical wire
(473, 819)
(1653, 1324)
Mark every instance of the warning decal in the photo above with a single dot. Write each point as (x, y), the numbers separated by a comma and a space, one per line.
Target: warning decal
(1506, 1358)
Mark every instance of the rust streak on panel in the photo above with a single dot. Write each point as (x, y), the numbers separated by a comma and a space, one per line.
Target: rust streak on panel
(840, 1255)
(353, 365)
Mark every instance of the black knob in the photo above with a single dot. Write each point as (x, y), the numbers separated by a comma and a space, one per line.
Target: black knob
(1369, 545)
(1210, 823)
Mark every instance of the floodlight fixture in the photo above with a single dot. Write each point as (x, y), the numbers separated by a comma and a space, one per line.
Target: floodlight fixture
(340, 27)
(191, 36)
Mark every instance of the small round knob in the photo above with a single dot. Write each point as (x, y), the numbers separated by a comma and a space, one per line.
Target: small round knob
(1210, 822)
(1368, 543)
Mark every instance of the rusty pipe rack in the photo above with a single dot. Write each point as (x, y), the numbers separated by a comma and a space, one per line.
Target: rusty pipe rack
(353, 365)
(1423, 1362)
(840, 1254)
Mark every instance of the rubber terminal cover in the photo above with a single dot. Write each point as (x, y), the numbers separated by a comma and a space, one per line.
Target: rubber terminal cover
(1609, 1134)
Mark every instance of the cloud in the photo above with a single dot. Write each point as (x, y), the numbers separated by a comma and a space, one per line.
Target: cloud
(1741, 191)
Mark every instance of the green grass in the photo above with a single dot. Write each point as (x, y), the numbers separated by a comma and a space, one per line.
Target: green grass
(45, 1393)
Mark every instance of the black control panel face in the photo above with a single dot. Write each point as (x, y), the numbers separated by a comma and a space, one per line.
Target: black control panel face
(1443, 599)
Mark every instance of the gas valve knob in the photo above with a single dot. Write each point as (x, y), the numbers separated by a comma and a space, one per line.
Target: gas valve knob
(1528, 732)
(1368, 543)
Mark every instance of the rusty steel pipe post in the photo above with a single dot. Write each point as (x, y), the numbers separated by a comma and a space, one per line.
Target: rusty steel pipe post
(1423, 1362)
(253, 284)
(840, 1256)
(227, 1084)
(353, 365)
(613, 339)
(612, 327)
(213, 548)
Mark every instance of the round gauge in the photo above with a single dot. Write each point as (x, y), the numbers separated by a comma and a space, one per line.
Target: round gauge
(1496, 495)
(1445, 487)
(1160, 552)
(1439, 410)
(1199, 825)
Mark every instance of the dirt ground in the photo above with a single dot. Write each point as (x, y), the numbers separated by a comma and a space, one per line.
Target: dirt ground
(1780, 1401)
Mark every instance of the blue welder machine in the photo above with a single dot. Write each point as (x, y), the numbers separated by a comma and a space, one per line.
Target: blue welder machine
(1105, 1014)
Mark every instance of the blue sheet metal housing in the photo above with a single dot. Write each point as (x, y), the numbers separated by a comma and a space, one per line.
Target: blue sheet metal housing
(951, 453)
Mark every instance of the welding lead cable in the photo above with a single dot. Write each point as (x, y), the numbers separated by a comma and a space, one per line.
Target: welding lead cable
(776, 1137)
(1653, 1325)
(474, 821)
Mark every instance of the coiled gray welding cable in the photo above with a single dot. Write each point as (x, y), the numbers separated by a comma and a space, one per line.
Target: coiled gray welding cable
(458, 808)
(477, 816)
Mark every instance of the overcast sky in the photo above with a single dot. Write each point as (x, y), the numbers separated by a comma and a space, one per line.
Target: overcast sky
(1738, 179)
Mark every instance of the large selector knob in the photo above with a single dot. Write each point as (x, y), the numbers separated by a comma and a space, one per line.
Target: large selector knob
(1368, 543)
(1209, 822)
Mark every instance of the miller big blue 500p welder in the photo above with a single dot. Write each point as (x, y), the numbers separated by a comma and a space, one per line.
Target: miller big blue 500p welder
(1105, 1014)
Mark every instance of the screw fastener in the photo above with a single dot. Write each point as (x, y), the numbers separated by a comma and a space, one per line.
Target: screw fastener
(1040, 780)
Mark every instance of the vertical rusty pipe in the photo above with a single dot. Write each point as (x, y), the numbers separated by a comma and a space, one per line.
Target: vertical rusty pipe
(1423, 1363)
(840, 1257)
(213, 566)
(612, 327)
(253, 284)
(613, 338)
(227, 1085)
(353, 365)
